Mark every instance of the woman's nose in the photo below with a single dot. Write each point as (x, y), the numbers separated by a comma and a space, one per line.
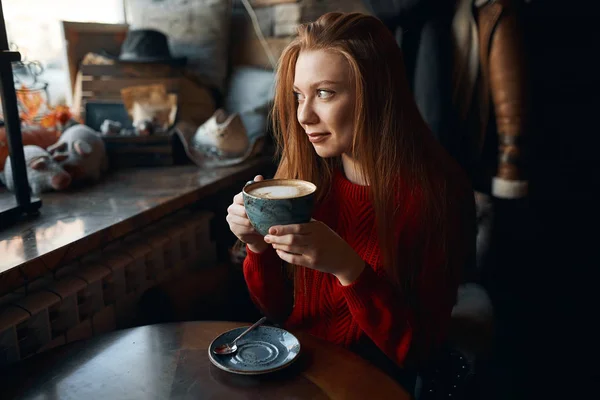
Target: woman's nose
(306, 114)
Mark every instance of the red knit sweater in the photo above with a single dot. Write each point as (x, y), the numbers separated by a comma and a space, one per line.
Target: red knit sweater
(369, 306)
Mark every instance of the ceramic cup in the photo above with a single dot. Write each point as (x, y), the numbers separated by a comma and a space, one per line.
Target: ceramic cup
(278, 202)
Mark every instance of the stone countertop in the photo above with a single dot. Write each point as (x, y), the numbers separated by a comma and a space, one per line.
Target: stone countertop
(74, 222)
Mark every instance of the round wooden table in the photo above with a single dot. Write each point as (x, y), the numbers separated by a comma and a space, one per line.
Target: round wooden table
(170, 361)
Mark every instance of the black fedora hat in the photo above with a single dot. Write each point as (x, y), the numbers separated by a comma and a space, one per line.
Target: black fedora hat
(146, 46)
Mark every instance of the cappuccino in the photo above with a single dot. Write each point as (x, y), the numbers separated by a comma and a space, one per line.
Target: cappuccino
(284, 190)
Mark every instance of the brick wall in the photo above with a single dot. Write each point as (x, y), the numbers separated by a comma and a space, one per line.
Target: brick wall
(99, 293)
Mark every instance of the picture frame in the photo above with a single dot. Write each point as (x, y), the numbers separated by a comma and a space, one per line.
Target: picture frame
(97, 111)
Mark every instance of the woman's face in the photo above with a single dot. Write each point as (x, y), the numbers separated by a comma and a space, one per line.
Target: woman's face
(325, 96)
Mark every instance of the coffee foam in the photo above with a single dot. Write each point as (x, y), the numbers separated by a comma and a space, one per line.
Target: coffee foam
(281, 191)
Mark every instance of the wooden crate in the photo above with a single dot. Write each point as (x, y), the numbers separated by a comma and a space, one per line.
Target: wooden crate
(141, 151)
(104, 83)
(82, 38)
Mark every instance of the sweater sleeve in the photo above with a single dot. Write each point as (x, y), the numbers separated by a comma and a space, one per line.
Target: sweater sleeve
(408, 334)
(265, 278)
(394, 326)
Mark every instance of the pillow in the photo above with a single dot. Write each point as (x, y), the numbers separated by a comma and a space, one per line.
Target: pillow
(196, 29)
(250, 94)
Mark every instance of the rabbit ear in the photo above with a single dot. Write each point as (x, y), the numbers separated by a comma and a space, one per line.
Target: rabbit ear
(58, 146)
(39, 164)
(82, 148)
(59, 157)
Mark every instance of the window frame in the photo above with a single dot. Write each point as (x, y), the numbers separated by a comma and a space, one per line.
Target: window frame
(25, 204)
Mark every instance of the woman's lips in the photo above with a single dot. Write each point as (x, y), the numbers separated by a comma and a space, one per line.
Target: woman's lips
(317, 137)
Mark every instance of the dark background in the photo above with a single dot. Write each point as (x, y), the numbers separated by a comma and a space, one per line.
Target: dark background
(548, 292)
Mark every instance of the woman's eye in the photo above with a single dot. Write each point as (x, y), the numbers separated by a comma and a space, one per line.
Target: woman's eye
(298, 96)
(324, 94)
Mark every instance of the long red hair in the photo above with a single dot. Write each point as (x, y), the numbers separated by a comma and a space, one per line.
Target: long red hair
(392, 143)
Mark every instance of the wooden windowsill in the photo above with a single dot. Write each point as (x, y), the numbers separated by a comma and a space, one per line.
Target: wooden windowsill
(77, 221)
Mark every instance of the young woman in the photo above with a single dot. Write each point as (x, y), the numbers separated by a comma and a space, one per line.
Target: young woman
(394, 222)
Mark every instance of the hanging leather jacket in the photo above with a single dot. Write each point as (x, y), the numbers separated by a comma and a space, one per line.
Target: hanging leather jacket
(489, 89)
(494, 93)
(503, 70)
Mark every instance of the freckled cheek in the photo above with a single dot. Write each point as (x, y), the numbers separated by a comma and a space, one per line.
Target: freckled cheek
(341, 115)
(343, 126)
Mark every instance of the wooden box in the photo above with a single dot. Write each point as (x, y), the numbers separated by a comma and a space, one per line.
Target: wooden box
(103, 83)
(82, 38)
(143, 151)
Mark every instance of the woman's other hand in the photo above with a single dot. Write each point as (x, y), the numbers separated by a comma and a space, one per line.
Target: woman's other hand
(314, 245)
(240, 225)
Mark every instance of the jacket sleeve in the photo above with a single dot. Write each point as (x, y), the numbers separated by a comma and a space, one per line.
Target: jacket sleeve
(267, 284)
(504, 70)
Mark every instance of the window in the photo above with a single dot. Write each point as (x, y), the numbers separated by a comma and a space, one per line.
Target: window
(34, 29)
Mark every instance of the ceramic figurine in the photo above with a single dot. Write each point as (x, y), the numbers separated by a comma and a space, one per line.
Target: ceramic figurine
(43, 171)
(85, 153)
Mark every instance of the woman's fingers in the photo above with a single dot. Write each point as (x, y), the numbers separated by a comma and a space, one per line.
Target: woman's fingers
(238, 210)
(238, 199)
(291, 239)
(237, 220)
(294, 259)
(290, 249)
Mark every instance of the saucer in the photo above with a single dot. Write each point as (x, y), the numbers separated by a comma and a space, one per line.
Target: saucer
(266, 349)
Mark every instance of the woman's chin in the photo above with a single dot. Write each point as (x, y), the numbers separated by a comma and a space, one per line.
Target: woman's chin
(325, 151)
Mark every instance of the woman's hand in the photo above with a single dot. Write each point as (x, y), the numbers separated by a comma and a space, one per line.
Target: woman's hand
(314, 245)
(240, 224)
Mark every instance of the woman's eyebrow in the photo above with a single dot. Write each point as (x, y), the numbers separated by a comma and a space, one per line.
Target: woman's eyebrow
(319, 83)
(326, 82)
